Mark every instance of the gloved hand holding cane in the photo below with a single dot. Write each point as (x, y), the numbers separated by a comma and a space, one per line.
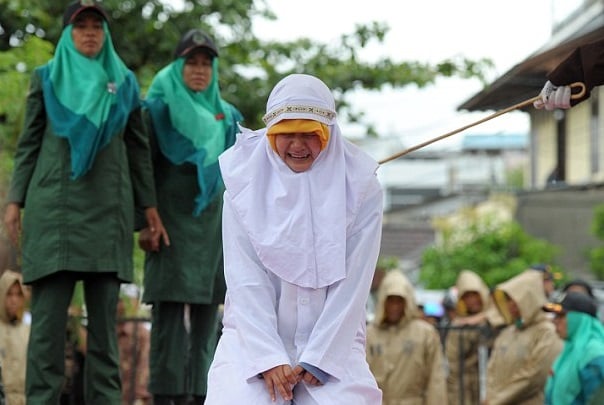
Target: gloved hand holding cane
(552, 97)
(549, 98)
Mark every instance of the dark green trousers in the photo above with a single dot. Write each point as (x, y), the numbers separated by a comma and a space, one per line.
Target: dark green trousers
(179, 360)
(50, 300)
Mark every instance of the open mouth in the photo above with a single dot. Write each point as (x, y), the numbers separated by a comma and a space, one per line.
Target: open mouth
(298, 156)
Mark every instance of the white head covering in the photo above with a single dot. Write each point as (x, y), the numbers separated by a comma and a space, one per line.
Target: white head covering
(297, 222)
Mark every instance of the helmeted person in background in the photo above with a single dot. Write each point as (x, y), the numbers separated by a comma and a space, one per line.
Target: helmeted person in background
(82, 164)
(579, 285)
(549, 285)
(464, 339)
(524, 351)
(584, 65)
(577, 375)
(190, 126)
(404, 352)
(14, 335)
(449, 303)
(302, 227)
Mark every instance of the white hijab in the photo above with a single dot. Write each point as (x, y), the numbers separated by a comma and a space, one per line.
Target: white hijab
(297, 222)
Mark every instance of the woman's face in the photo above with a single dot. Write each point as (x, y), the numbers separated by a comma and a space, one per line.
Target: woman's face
(561, 325)
(298, 150)
(197, 71)
(87, 34)
(513, 308)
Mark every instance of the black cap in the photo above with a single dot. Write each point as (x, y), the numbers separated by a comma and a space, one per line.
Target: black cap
(546, 269)
(194, 39)
(579, 283)
(575, 302)
(74, 9)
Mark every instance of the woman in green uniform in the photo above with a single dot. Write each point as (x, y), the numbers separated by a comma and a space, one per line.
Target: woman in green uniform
(82, 165)
(190, 125)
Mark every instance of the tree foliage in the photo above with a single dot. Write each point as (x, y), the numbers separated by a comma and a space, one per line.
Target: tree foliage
(13, 90)
(596, 254)
(145, 34)
(494, 253)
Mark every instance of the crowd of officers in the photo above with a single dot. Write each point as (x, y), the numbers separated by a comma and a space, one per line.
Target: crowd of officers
(521, 342)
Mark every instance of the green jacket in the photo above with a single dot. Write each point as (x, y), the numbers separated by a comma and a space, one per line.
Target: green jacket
(86, 224)
(190, 270)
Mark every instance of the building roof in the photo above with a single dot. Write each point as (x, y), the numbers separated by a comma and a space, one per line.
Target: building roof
(493, 142)
(526, 79)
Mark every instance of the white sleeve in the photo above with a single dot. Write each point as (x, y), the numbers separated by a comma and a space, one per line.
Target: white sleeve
(252, 299)
(343, 315)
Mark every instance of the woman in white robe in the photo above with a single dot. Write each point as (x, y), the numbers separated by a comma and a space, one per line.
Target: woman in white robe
(302, 230)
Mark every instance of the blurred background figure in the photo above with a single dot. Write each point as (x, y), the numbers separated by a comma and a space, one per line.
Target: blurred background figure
(577, 376)
(524, 351)
(403, 350)
(449, 304)
(579, 285)
(14, 336)
(464, 339)
(133, 339)
(549, 285)
(432, 312)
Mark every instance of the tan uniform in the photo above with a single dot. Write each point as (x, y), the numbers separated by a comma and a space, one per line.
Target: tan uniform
(13, 346)
(406, 359)
(523, 352)
(462, 345)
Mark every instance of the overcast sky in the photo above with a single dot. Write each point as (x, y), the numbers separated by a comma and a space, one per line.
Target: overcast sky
(506, 32)
(429, 30)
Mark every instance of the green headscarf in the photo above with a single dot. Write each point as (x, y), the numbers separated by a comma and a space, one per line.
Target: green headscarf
(193, 127)
(199, 116)
(88, 100)
(584, 344)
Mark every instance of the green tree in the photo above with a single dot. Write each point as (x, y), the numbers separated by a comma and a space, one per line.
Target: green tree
(13, 90)
(514, 178)
(145, 33)
(596, 254)
(495, 253)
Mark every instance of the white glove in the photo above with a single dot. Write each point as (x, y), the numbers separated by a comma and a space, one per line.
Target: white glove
(553, 97)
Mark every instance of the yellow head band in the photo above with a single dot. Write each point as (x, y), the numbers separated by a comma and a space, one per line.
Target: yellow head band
(298, 126)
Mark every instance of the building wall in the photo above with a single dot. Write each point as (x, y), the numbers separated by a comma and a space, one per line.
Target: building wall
(563, 217)
(578, 144)
(580, 124)
(542, 148)
(597, 124)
